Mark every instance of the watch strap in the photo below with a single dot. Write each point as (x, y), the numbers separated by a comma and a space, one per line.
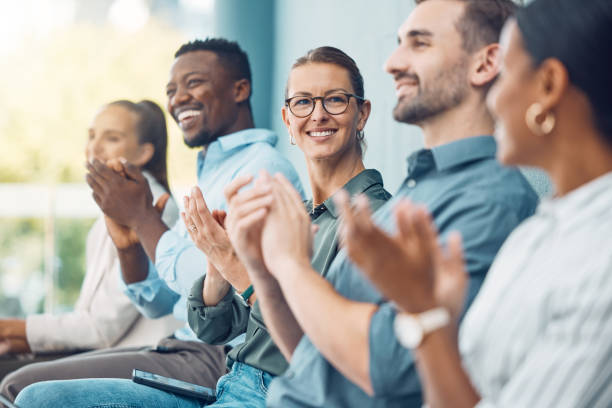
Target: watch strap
(247, 294)
(434, 319)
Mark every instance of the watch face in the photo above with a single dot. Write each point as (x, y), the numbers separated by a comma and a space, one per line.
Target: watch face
(408, 331)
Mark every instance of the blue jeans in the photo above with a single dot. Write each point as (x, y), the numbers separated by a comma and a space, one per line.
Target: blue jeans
(244, 386)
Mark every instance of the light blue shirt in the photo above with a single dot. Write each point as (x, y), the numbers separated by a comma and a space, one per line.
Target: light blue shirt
(178, 261)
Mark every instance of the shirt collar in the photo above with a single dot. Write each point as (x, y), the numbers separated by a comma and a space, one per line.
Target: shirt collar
(219, 148)
(245, 137)
(358, 184)
(463, 151)
(581, 203)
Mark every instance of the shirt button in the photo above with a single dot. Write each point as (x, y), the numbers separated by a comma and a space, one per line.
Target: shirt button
(411, 183)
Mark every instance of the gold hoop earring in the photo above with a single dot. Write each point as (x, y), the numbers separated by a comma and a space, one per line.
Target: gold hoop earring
(531, 120)
(291, 140)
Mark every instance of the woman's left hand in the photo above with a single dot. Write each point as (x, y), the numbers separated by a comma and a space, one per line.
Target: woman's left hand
(208, 235)
(408, 267)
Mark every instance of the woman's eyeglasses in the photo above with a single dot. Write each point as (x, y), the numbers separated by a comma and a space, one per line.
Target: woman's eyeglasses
(334, 104)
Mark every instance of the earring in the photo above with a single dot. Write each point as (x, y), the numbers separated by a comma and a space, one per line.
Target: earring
(531, 119)
(291, 140)
(360, 135)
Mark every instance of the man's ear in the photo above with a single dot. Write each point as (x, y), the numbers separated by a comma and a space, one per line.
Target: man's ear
(145, 154)
(485, 65)
(242, 90)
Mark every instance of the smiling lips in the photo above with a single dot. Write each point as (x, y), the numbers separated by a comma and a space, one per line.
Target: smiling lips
(321, 132)
(187, 118)
(403, 87)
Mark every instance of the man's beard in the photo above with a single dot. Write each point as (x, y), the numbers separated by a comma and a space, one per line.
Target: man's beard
(202, 138)
(447, 90)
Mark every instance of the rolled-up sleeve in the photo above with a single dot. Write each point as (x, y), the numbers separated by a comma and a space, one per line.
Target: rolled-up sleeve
(392, 369)
(217, 324)
(151, 296)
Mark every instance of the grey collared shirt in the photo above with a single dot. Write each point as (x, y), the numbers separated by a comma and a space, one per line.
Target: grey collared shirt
(466, 190)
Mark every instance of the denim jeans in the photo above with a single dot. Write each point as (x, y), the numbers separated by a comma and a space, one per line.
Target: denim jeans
(244, 386)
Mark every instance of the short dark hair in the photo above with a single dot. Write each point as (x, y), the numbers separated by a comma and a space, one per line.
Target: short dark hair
(333, 55)
(482, 21)
(152, 129)
(230, 55)
(578, 34)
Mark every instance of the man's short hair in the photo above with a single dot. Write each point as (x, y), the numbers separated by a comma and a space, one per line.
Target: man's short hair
(482, 21)
(230, 55)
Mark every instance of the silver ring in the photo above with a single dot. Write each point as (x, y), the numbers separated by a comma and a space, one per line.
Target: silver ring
(192, 227)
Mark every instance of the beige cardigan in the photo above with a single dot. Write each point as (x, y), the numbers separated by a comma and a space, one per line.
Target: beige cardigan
(103, 315)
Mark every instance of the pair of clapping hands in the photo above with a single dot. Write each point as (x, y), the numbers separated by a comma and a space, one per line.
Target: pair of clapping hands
(122, 193)
(264, 229)
(268, 230)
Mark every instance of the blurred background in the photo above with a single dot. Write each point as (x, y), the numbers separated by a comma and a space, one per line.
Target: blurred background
(60, 60)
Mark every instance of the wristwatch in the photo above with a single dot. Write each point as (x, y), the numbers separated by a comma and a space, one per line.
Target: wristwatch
(411, 329)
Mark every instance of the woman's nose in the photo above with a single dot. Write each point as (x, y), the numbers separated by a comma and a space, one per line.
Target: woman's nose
(319, 113)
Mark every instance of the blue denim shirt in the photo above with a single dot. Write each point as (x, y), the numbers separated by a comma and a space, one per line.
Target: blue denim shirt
(178, 262)
(466, 190)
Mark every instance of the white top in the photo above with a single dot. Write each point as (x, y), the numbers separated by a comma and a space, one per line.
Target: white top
(539, 333)
(103, 315)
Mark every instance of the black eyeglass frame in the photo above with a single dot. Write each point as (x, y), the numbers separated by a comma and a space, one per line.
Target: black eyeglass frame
(322, 98)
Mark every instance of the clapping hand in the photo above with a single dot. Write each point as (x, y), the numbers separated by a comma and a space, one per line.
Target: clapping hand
(122, 236)
(287, 232)
(207, 230)
(409, 267)
(247, 210)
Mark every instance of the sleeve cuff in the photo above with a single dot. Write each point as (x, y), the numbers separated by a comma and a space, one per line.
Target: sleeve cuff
(146, 289)
(195, 301)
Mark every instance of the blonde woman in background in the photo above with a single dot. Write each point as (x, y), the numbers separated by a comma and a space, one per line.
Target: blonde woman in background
(103, 315)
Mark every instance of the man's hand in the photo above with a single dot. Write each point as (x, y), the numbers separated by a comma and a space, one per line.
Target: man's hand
(126, 199)
(408, 267)
(124, 237)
